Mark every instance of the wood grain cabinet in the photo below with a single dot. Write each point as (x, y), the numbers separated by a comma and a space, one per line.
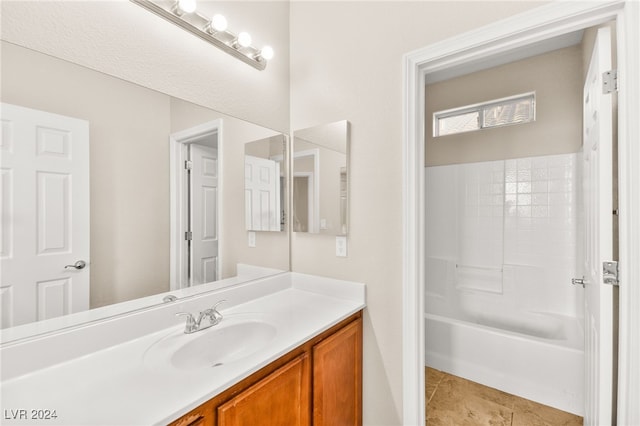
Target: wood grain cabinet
(337, 378)
(280, 399)
(319, 383)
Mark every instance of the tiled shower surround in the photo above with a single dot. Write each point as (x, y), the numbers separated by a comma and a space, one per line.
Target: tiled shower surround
(505, 232)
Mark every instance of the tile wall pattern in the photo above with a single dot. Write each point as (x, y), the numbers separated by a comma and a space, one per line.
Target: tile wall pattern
(508, 228)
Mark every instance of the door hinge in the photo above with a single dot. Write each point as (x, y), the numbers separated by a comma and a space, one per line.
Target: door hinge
(610, 273)
(188, 235)
(609, 81)
(188, 165)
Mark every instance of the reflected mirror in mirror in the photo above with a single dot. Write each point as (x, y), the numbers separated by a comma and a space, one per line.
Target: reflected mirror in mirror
(144, 188)
(321, 179)
(264, 184)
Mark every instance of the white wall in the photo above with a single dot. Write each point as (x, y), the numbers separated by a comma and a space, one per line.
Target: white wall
(346, 63)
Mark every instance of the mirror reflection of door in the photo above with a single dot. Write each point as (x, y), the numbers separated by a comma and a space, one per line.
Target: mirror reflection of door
(203, 213)
(45, 215)
(263, 184)
(262, 194)
(195, 188)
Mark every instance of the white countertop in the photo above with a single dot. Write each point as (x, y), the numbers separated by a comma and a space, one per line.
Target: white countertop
(113, 386)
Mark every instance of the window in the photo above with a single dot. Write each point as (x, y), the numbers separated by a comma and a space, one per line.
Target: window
(500, 112)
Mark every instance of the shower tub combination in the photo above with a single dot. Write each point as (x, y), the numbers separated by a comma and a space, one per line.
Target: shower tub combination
(536, 356)
(502, 244)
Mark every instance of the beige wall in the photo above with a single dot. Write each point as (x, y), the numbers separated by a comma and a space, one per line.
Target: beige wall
(556, 77)
(124, 40)
(353, 71)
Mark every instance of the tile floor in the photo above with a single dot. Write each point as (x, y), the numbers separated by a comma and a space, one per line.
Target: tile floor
(454, 401)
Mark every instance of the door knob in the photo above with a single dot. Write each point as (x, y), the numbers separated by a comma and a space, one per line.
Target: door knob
(80, 264)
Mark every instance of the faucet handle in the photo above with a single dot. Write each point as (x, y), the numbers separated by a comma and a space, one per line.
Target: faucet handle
(191, 325)
(215, 307)
(214, 316)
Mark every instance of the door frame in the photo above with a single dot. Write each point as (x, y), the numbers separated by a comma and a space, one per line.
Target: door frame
(521, 30)
(314, 184)
(178, 259)
(310, 198)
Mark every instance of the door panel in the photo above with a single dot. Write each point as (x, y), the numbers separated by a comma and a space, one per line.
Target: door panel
(204, 213)
(52, 207)
(45, 215)
(262, 194)
(597, 175)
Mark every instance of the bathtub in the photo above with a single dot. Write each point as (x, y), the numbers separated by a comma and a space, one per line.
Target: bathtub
(534, 355)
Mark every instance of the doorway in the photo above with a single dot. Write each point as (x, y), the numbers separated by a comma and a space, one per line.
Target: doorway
(195, 214)
(306, 191)
(302, 202)
(505, 233)
(526, 30)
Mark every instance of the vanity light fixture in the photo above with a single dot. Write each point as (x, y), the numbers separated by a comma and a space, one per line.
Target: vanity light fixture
(184, 6)
(218, 23)
(243, 40)
(266, 53)
(184, 14)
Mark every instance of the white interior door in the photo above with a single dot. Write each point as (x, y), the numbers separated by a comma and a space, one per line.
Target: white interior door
(262, 194)
(45, 215)
(204, 213)
(599, 331)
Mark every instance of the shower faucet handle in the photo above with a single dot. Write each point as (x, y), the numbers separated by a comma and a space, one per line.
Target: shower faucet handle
(579, 281)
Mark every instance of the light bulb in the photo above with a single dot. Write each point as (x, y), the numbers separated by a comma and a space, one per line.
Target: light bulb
(218, 23)
(267, 53)
(187, 6)
(244, 39)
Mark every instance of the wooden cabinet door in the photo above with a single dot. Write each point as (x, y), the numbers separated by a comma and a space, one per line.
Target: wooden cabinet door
(280, 399)
(337, 378)
(201, 416)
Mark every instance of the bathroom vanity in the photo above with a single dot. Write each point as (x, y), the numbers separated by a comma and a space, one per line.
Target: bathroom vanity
(320, 380)
(288, 351)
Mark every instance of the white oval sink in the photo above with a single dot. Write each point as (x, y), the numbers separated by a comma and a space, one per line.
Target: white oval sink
(219, 345)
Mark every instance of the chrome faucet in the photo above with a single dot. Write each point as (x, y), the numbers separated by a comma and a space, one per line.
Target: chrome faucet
(212, 315)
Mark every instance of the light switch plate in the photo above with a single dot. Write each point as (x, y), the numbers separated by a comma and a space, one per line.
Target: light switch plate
(252, 238)
(341, 246)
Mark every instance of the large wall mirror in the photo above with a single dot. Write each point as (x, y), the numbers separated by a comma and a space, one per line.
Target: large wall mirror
(321, 179)
(113, 194)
